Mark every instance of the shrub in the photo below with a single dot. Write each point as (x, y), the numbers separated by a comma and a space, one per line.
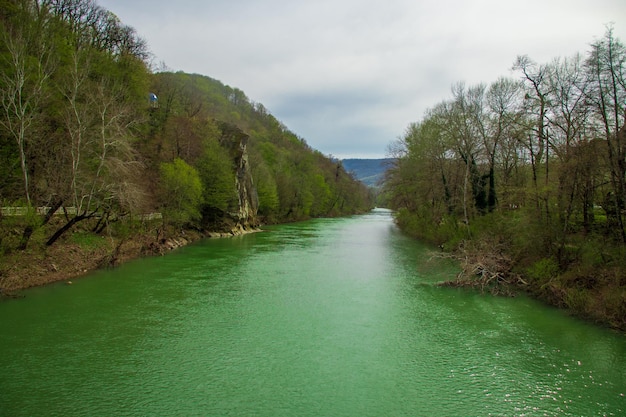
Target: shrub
(542, 271)
(182, 190)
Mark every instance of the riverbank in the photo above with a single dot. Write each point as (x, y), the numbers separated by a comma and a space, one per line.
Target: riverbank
(75, 257)
(509, 252)
(595, 293)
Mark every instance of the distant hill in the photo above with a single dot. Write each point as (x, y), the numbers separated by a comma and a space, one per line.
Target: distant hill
(368, 171)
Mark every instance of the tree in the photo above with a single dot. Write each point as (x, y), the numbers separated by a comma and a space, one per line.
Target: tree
(606, 66)
(26, 65)
(98, 112)
(568, 117)
(501, 99)
(93, 26)
(265, 186)
(465, 125)
(534, 79)
(181, 190)
(215, 168)
(103, 164)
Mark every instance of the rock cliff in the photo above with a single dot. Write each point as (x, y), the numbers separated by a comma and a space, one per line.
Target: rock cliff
(243, 215)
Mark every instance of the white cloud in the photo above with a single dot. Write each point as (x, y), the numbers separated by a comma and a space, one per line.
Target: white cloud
(349, 75)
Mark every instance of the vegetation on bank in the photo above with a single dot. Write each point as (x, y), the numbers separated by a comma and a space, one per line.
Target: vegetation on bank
(96, 147)
(525, 181)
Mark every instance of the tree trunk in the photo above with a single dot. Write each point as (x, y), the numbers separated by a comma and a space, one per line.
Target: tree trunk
(28, 230)
(65, 228)
(492, 198)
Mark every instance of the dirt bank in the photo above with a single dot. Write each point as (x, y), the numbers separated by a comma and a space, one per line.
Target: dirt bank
(66, 261)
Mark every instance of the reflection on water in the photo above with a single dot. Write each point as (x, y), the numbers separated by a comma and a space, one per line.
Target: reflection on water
(329, 317)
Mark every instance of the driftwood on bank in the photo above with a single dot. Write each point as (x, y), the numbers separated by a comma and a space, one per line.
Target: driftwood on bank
(485, 265)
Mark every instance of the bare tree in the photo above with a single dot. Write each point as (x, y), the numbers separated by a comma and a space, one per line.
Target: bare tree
(104, 170)
(29, 63)
(92, 25)
(534, 78)
(568, 117)
(606, 66)
(503, 101)
(465, 134)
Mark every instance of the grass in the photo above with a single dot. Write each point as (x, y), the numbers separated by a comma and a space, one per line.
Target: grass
(88, 240)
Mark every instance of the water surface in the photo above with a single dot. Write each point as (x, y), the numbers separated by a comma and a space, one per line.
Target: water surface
(333, 317)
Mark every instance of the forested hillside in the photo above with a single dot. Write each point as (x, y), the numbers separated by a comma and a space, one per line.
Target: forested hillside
(292, 180)
(94, 144)
(526, 179)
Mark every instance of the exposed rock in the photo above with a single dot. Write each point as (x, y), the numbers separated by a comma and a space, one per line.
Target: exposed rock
(245, 214)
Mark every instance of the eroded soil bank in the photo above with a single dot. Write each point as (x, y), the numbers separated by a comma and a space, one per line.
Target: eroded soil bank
(66, 261)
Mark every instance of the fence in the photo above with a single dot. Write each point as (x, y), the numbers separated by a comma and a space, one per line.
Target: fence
(22, 211)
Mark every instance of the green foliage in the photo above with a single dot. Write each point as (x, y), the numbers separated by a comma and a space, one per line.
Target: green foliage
(543, 271)
(445, 231)
(321, 195)
(577, 299)
(266, 187)
(215, 168)
(16, 231)
(182, 192)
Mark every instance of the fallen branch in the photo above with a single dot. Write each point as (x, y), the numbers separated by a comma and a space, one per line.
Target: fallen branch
(485, 264)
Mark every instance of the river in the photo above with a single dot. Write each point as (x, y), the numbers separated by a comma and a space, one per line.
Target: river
(330, 317)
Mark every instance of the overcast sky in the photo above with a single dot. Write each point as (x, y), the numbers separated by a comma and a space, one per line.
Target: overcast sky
(350, 75)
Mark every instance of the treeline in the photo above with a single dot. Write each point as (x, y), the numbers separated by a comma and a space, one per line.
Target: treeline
(526, 179)
(81, 136)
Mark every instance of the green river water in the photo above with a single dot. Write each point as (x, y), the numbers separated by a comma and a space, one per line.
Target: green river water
(332, 317)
